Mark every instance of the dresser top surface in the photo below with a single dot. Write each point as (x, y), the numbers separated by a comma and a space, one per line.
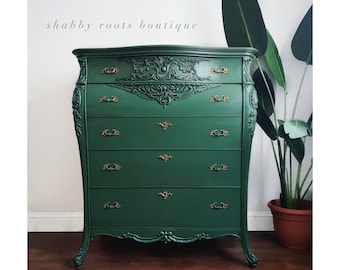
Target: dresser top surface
(165, 50)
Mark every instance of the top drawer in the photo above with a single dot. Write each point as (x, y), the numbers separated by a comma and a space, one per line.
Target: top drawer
(164, 69)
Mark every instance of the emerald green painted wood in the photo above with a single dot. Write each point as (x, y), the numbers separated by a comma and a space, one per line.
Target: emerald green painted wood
(184, 208)
(188, 132)
(119, 70)
(183, 107)
(164, 136)
(194, 167)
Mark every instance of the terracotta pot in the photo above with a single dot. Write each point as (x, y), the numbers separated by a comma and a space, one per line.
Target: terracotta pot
(293, 227)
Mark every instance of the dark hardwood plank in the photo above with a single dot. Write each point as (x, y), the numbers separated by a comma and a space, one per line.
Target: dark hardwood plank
(55, 251)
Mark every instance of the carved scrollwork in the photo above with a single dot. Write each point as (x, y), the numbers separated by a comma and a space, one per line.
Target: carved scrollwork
(166, 236)
(253, 102)
(163, 68)
(76, 102)
(83, 70)
(164, 93)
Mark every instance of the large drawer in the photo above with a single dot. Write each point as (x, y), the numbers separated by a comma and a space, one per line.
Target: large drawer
(167, 132)
(104, 100)
(164, 168)
(164, 69)
(170, 207)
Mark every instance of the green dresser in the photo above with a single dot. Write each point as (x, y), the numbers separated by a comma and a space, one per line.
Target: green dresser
(164, 136)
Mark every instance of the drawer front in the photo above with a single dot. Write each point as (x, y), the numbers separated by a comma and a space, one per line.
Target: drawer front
(164, 69)
(120, 133)
(164, 168)
(170, 207)
(104, 100)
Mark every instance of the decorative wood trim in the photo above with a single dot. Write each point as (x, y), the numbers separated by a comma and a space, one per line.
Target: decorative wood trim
(164, 93)
(157, 68)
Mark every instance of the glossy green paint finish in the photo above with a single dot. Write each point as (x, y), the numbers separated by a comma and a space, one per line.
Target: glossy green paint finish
(208, 69)
(182, 183)
(185, 168)
(184, 208)
(138, 107)
(184, 132)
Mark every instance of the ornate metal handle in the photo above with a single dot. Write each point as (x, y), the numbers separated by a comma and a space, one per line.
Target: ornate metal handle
(221, 133)
(218, 169)
(165, 157)
(110, 205)
(218, 99)
(221, 70)
(165, 194)
(218, 207)
(109, 70)
(109, 99)
(164, 125)
(108, 167)
(114, 132)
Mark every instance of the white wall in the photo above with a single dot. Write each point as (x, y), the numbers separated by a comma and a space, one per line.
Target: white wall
(54, 178)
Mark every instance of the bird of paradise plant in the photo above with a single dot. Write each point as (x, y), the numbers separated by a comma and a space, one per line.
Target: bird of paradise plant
(244, 27)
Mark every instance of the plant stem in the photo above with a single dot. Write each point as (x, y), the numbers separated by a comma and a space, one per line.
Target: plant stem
(305, 178)
(299, 90)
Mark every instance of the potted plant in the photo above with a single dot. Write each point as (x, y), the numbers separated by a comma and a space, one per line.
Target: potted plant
(244, 26)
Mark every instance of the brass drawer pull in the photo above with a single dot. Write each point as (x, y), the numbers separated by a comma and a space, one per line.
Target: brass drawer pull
(165, 157)
(218, 207)
(109, 99)
(218, 169)
(109, 70)
(221, 70)
(218, 99)
(110, 205)
(114, 132)
(108, 167)
(164, 125)
(165, 194)
(221, 133)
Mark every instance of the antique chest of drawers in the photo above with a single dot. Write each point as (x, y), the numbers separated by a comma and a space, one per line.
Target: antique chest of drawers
(164, 136)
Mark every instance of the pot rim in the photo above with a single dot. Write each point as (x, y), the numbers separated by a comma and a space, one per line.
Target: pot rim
(275, 205)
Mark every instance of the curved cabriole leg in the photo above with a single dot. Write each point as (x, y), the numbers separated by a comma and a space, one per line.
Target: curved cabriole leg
(252, 260)
(79, 258)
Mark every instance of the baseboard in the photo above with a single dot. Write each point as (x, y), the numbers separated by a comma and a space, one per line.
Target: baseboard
(73, 221)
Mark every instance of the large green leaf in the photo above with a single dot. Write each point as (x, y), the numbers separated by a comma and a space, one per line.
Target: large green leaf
(302, 41)
(266, 97)
(274, 62)
(295, 145)
(297, 129)
(265, 123)
(243, 24)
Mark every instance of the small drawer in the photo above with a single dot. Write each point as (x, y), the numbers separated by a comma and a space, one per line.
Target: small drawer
(164, 167)
(165, 206)
(219, 100)
(168, 132)
(164, 68)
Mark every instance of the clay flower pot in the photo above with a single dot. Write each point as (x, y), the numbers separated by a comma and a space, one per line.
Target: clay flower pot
(293, 227)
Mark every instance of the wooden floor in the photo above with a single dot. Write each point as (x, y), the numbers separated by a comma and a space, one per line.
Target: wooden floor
(56, 250)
